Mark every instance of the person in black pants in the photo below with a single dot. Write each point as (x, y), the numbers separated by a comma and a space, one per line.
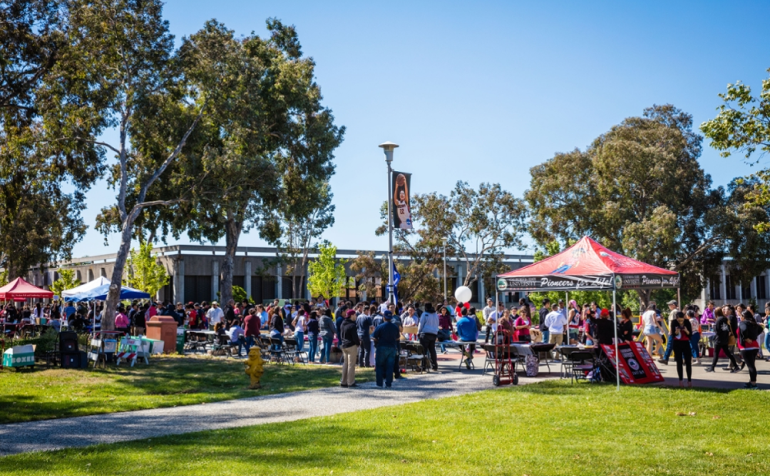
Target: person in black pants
(748, 332)
(723, 331)
(681, 330)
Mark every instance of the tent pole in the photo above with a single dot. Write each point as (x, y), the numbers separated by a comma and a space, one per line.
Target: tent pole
(566, 308)
(615, 317)
(679, 297)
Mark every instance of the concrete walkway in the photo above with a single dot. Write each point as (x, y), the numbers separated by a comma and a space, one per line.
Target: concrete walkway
(115, 427)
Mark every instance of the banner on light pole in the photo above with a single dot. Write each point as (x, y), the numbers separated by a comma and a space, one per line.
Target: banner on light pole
(402, 208)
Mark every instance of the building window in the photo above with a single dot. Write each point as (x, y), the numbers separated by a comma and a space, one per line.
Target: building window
(746, 291)
(761, 287)
(714, 289)
(729, 287)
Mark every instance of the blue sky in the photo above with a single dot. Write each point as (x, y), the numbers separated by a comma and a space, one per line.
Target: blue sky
(482, 91)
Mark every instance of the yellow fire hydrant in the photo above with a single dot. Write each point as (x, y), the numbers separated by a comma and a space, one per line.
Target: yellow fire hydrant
(254, 367)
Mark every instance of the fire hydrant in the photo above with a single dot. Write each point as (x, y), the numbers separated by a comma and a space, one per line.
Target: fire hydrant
(254, 367)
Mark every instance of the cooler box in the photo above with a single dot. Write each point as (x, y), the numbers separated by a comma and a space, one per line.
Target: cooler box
(19, 356)
(155, 346)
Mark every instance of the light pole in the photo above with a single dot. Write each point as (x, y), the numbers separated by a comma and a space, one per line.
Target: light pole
(444, 240)
(389, 147)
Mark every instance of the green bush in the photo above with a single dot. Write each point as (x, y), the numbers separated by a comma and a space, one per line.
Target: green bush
(44, 343)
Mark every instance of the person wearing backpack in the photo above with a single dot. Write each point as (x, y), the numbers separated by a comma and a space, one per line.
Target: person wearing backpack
(748, 332)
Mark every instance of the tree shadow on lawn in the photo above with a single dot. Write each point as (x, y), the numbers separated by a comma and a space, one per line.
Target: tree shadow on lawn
(165, 382)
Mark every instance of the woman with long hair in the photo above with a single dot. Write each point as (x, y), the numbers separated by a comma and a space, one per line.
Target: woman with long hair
(681, 331)
(523, 324)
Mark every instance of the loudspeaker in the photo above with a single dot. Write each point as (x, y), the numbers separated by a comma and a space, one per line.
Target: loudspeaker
(68, 342)
(75, 360)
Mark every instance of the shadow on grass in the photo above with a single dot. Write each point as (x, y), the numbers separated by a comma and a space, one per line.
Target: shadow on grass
(59, 393)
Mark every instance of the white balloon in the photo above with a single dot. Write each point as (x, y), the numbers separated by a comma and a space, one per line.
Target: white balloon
(463, 294)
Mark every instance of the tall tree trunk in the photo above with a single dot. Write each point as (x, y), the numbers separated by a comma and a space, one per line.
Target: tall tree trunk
(232, 234)
(113, 297)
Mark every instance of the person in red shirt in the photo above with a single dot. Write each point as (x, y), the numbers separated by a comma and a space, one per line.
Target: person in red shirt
(251, 327)
(523, 324)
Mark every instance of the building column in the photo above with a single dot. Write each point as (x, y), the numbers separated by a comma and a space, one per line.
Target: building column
(723, 285)
(767, 283)
(482, 293)
(304, 280)
(279, 282)
(214, 279)
(739, 292)
(179, 280)
(247, 278)
(753, 288)
(460, 277)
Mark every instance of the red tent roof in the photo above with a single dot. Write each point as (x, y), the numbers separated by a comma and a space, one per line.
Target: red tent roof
(20, 289)
(587, 257)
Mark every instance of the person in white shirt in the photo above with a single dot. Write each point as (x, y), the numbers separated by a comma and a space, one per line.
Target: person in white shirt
(556, 320)
(651, 330)
(492, 318)
(215, 314)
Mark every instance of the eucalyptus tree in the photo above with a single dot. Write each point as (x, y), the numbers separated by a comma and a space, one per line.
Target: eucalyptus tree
(40, 220)
(640, 190)
(125, 56)
(263, 145)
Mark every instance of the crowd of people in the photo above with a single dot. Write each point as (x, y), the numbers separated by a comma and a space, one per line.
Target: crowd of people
(368, 333)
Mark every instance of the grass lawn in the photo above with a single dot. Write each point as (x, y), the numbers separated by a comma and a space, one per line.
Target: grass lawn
(167, 381)
(549, 428)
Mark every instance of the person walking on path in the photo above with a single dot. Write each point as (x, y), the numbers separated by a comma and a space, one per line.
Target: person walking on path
(723, 336)
(674, 309)
(349, 343)
(681, 331)
(427, 331)
(748, 343)
(385, 337)
(364, 327)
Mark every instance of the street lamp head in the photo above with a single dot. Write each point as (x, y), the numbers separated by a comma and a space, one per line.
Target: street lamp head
(388, 146)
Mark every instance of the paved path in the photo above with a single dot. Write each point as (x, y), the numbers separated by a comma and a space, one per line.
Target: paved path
(114, 427)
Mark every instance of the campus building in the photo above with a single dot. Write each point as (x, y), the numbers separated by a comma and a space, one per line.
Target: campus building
(194, 274)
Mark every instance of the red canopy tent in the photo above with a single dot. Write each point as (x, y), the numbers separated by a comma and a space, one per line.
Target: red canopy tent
(19, 290)
(588, 266)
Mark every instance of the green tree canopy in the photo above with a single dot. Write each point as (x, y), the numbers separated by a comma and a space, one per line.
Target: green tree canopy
(66, 281)
(143, 272)
(743, 125)
(639, 190)
(264, 141)
(326, 273)
(41, 150)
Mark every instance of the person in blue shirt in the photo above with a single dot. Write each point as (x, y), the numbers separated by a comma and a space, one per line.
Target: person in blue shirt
(468, 331)
(386, 337)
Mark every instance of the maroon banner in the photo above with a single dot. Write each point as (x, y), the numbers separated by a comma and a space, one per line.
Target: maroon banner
(636, 365)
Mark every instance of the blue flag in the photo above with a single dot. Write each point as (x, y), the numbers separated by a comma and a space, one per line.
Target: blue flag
(396, 279)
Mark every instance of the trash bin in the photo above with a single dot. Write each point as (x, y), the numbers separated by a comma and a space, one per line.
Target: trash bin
(163, 328)
(180, 341)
